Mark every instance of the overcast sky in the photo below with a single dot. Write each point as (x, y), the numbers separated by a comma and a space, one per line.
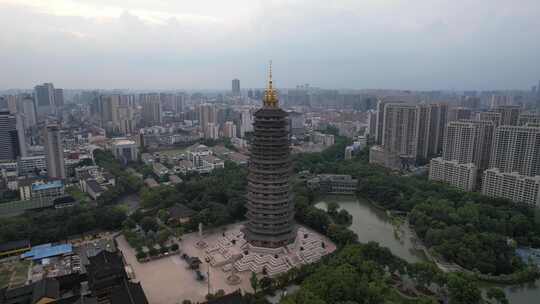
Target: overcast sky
(196, 44)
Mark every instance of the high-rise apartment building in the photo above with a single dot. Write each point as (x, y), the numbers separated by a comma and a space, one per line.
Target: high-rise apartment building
(236, 87)
(207, 114)
(515, 165)
(151, 109)
(500, 100)
(469, 141)
(455, 114)
(528, 119)
(117, 114)
(509, 114)
(371, 123)
(54, 152)
(380, 121)
(513, 186)
(495, 117)
(229, 129)
(9, 137)
(438, 116)
(467, 149)
(400, 129)
(462, 176)
(246, 124)
(517, 149)
(29, 110)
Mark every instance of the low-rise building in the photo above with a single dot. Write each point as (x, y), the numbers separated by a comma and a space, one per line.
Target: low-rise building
(32, 165)
(462, 176)
(379, 156)
(125, 150)
(326, 140)
(333, 184)
(513, 186)
(42, 190)
(159, 170)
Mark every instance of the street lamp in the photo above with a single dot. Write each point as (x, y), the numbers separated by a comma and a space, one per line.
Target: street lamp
(207, 259)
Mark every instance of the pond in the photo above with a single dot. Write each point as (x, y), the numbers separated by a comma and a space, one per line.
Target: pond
(372, 224)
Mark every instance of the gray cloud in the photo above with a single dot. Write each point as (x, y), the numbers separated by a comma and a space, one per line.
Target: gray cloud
(422, 44)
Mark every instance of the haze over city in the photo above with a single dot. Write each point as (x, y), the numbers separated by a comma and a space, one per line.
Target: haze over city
(269, 152)
(389, 44)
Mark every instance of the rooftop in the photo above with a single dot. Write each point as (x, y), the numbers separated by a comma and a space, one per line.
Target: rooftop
(47, 250)
(48, 185)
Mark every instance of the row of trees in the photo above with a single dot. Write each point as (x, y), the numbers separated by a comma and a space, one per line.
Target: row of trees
(58, 224)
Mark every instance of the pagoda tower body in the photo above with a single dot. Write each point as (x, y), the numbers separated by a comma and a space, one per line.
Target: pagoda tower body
(269, 200)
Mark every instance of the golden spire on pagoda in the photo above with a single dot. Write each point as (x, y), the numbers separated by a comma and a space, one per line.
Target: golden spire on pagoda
(270, 97)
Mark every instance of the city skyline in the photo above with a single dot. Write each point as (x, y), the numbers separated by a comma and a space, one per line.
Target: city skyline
(203, 45)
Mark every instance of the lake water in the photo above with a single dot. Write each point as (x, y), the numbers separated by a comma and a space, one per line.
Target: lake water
(372, 224)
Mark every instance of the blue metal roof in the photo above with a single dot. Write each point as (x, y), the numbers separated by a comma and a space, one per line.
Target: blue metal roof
(47, 250)
(49, 185)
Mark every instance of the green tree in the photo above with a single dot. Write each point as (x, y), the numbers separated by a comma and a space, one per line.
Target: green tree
(332, 208)
(463, 290)
(497, 294)
(254, 282)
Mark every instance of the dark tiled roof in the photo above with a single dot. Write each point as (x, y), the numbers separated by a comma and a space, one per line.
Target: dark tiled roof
(180, 211)
(94, 186)
(47, 288)
(232, 298)
(105, 269)
(128, 293)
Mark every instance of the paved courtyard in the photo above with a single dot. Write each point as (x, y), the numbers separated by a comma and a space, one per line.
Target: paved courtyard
(169, 280)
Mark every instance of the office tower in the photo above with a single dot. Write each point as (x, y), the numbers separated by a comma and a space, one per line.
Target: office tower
(455, 114)
(207, 114)
(517, 149)
(229, 129)
(236, 87)
(246, 123)
(509, 114)
(151, 109)
(528, 119)
(29, 110)
(9, 137)
(54, 152)
(495, 117)
(270, 210)
(44, 95)
(58, 98)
